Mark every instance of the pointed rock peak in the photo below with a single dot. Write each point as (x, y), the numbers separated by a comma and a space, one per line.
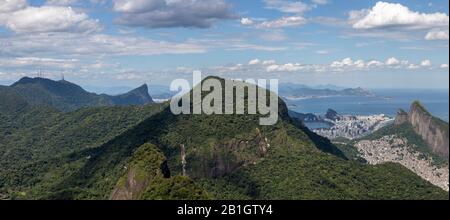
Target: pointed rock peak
(141, 89)
(401, 118)
(417, 106)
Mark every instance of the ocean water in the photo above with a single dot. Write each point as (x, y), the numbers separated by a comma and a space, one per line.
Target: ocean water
(385, 102)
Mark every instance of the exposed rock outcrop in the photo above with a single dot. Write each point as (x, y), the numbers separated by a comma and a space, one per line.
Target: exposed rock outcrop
(137, 96)
(332, 115)
(401, 118)
(433, 131)
(147, 165)
(227, 156)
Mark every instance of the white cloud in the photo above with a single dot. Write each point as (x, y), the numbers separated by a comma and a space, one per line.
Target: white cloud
(426, 63)
(283, 22)
(413, 66)
(254, 62)
(392, 61)
(48, 19)
(288, 67)
(7, 6)
(437, 35)
(360, 64)
(444, 66)
(269, 62)
(342, 63)
(375, 63)
(386, 15)
(247, 21)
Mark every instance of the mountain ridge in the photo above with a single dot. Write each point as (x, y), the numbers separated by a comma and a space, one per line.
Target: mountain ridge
(433, 130)
(291, 90)
(66, 96)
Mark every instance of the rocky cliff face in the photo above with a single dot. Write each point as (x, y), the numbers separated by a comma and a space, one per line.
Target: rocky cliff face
(433, 130)
(226, 157)
(137, 96)
(402, 117)
(147, 166)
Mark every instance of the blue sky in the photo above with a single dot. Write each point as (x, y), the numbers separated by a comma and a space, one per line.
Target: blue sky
(373, 44)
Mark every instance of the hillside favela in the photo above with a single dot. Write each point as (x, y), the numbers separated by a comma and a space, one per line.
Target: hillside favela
(224, 100)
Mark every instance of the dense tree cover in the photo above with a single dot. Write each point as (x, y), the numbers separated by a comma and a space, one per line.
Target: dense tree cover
(175, 188)
(147, 176)
(228, 157)
(36, 143)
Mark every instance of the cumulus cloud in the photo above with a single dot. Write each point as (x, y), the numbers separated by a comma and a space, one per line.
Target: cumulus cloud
(269, 62)
(392, 61)
(413, 66)
(247, 21)
(387, 15)
(444, 66)
(426, 63)
(18, 16)
(172, 13)
(374, 63)
(349, 64)
(288, 67)
(342, 63)
(437, 35)
(340, 66)
(12, 5)
(254, 62)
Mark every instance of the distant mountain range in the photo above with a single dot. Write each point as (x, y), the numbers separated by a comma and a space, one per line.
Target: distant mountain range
(67, 96)
(289, 90)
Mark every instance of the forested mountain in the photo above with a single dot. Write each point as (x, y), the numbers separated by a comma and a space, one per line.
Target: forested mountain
(149, 153)
(66, 96)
